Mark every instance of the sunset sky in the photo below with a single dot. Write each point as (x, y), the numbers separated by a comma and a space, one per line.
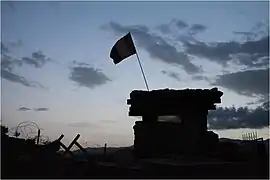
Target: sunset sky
(56, 70)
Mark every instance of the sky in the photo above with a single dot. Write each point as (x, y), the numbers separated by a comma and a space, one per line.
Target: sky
(56, 70)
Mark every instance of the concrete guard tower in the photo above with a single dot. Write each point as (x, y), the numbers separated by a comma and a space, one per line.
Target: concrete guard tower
(189, 136)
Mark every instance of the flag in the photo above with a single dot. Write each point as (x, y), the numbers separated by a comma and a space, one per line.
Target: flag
(122, 49)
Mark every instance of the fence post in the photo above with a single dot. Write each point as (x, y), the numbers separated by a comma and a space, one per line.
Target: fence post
(105, 150)
(38, 136)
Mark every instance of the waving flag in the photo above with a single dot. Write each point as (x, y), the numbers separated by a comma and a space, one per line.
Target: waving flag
(122, 49)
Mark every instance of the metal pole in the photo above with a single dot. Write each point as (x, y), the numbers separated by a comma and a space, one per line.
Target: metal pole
(146, 84)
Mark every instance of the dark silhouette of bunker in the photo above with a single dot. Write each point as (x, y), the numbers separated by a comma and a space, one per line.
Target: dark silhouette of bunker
(190, 136)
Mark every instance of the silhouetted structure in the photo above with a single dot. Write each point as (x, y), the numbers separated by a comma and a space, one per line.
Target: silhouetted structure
(190, 136)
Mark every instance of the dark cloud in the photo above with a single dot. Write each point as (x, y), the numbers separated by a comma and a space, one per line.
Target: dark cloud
(38, 59)
(172, 74)
(41, 109)
(260, 46)
(218, 52)
(164, 28)
(259, 101)
(87, 76)
(80, 63)
(251, 60)
(180, 24)
(252, 52)
(200, 78)
(187, 38)
(35, 109)
(24, 109)
(10, 76)
(4, 48)
(265, 105)
(157, 47)
(197, 28)
(8, 63)
(174, 24)
(246, 35)
(250, 82)
(249, 53)
(232, 118)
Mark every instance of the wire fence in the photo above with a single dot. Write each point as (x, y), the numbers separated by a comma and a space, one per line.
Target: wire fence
(28, 130)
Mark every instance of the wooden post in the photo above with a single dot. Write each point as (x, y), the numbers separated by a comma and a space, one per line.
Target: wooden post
(61, 137)
(105, 151)
(38, 136)
(66, 149)
(74, 141)
(81, 148)
(70, 146)
(63, 146)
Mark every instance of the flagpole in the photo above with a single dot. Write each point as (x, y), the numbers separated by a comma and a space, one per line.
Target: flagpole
(142, 71)
(145, 81)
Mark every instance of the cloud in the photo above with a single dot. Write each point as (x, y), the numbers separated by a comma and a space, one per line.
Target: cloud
(4, 48)
(180, 24)
(217, 52)
(87, 76)
(10, 76)
(246, 35)
(34, 109)
(8, 63)
(157, 47)
(164, 28)
(81, 124)
(174, 24)
(250, 82)
(41, 109)
(7, 66)
(172, 74)
(38, 59)
(197, 28)
(187, 38)
(24, 109)
(232, 118)
(200, 78)
(252, 52)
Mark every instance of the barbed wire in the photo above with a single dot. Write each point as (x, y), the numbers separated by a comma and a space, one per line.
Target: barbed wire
(28, 130)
